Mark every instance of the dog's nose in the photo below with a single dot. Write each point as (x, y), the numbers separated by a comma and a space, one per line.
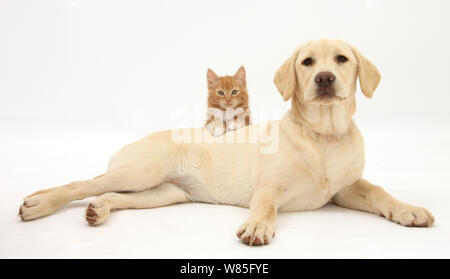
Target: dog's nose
(324, 79)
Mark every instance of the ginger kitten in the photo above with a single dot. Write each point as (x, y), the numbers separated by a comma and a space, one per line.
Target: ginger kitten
(227, 102)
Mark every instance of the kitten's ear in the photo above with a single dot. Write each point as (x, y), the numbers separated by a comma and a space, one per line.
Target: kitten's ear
(212, 78)
(239, 76)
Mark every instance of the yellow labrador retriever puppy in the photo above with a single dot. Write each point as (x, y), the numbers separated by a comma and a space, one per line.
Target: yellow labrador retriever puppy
(319, 157)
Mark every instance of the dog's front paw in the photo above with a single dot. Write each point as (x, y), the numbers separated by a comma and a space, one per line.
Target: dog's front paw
(256, 233)
(411, 216)
(36, 206)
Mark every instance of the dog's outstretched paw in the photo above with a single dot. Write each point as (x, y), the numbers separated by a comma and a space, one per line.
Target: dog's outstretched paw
(36, 206)
(256, 233)
(411, 216)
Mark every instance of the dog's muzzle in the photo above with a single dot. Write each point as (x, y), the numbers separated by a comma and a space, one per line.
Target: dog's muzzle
(325, 81)
(325, 92)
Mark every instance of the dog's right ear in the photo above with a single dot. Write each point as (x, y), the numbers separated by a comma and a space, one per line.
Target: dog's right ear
(286, 77)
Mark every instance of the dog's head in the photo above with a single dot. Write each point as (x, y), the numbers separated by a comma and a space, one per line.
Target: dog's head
(325, 72)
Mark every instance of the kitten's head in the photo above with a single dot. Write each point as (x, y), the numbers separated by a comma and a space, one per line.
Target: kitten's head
(227, 91)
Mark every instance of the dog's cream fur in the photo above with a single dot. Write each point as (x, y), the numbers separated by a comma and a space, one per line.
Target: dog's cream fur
(320, 159)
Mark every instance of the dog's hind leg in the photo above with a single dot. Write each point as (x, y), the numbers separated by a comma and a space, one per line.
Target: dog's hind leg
(128, 178)
(364, 196)
(165, 194)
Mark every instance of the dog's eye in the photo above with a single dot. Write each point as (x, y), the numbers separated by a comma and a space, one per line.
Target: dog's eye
(308, 61)
(341, 59)
(234, 92)
(220, 93)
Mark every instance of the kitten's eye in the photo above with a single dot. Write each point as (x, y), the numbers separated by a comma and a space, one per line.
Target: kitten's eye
(220, 93)
(341, 59)
(308, 61)
(234, 92)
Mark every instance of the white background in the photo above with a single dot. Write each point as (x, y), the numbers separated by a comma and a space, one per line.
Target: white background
(80, 79)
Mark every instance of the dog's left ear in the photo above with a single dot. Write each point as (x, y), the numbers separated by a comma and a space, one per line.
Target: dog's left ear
(286, 77)
(369, 76)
